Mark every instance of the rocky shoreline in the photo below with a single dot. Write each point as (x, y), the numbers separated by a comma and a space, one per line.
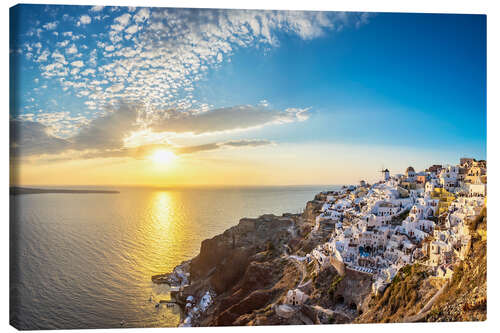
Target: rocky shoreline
(253, 273)
(241, 276)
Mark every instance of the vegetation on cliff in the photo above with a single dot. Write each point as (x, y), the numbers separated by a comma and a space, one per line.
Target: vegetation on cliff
(464, 299)
(408, 292)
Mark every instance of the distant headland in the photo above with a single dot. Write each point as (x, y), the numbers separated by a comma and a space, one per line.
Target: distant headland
(15, 190)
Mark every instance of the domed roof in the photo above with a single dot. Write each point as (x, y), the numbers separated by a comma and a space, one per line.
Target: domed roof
(410, 169)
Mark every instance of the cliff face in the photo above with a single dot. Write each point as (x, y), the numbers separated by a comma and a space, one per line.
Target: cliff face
(249, 268)
(250, 301)
(313, 208)
(245, 269)
(226, 256)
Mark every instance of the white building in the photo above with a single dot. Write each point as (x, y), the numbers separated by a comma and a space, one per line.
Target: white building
(295, 297)
(475, 189)
(439, 253)
(411, 176)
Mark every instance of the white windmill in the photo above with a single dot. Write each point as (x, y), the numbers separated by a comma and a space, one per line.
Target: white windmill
(385, 174)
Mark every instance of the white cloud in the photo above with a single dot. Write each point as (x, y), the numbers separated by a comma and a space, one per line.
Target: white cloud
(77, 63)
(96, 8)
(50, 25)
(64, 43)
(58, 57)
(88, 71)
(93, 58)
(72, 49)
(142, 15)
(132, 29)
(43, 57)
(123, 19)
(85, 19)
(117, 27)
(115, 88)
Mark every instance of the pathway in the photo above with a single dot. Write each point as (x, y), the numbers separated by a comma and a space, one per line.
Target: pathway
(299, 263)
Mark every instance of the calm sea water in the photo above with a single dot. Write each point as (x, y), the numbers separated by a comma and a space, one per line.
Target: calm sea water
(86, 260)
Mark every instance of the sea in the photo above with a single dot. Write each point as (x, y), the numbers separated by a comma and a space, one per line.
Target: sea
(86, 260)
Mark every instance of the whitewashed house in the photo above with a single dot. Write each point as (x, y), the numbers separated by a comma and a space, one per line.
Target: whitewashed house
(295, 297)
(410, 174)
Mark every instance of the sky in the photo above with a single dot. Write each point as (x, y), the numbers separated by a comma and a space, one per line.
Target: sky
(164, 96)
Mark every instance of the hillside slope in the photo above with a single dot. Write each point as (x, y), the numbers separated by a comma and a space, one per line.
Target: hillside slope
(465, 297)
(416, 296)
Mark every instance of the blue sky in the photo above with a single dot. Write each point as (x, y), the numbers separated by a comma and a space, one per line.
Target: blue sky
(248, 78)
(419, 75)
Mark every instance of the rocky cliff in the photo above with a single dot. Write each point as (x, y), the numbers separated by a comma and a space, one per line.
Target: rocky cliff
(241, 277)
(245, 269)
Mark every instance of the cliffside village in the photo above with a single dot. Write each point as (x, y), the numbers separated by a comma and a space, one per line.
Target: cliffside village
(416, 217)
(371, 231)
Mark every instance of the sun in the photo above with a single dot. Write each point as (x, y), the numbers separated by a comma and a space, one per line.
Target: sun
(162, 156)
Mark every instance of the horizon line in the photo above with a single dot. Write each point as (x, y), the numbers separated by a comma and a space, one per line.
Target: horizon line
(172, 186)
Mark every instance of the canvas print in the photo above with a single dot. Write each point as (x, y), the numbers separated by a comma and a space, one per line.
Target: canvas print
(226, 167)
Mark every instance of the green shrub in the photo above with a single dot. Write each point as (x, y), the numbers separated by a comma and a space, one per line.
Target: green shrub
(334, 284)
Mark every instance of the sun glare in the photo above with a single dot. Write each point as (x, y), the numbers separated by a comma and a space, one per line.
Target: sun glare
(162, 156)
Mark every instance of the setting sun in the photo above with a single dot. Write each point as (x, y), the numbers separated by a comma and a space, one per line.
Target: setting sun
(162, 156)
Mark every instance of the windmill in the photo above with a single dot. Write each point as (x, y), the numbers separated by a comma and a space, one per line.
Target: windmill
(385, 173)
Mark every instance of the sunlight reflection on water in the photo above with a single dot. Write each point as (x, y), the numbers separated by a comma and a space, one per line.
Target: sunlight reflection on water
(86, 261)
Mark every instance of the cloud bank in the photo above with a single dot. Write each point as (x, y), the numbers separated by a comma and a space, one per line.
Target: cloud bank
(104, 136)
(225, 119)
(33, 138)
